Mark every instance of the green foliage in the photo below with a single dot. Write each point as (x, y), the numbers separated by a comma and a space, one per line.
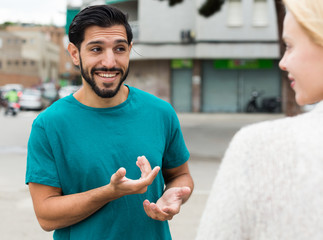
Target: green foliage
(207, 9)
(174, 2)
(210, 7)
(5, 24)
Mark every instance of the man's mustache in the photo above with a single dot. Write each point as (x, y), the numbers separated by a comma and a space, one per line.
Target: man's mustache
(103, 69)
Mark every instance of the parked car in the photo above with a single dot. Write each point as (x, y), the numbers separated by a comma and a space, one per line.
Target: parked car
(67, 90)
(32, 99)
(49, 92)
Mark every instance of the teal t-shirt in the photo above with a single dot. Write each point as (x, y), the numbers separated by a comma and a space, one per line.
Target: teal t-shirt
(78, 148)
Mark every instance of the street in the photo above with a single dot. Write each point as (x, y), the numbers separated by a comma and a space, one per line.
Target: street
(206, 135)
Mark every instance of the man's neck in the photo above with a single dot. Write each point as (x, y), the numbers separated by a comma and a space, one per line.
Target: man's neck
(89, 98)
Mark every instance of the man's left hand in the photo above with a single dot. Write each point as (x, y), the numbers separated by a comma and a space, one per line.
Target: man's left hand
(168, 205)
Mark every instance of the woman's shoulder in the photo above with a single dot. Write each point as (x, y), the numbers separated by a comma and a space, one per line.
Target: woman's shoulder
(276, 131)
(282, 125)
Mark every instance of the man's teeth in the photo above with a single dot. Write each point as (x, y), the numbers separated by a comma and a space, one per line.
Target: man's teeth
(106, 75)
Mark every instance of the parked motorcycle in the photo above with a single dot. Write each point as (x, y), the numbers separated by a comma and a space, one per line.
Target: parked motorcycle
(268, 104)
(252, 105)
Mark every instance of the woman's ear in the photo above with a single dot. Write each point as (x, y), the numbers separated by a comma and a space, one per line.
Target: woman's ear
(74, 52)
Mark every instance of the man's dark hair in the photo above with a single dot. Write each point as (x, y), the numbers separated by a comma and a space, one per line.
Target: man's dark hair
(98, 15)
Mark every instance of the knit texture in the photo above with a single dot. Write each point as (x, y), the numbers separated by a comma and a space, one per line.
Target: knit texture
(270, 183)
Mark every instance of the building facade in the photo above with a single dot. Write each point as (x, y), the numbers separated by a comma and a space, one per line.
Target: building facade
(15, 67)
(204, 64)
(49, 45)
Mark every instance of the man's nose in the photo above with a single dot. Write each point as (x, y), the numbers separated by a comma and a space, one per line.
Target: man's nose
(108, 59)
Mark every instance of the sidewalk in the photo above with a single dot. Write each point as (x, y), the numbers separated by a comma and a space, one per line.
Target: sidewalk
(208, 135)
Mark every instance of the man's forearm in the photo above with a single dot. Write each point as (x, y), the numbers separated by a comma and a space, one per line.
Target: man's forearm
(59, 211)
(183, 180)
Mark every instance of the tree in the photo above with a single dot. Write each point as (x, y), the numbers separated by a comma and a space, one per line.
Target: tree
(207, 9)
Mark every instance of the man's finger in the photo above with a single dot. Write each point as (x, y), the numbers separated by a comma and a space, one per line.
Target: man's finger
(170, 211)
(183, 192)
(157, 213)
(118, 175)
(152, 175)
(147, 208)
(144, 166)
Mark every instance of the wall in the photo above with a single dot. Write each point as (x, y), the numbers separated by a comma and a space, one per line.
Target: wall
(151, 76)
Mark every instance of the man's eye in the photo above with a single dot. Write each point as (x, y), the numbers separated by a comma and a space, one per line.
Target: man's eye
(120, 49)
(96, 49)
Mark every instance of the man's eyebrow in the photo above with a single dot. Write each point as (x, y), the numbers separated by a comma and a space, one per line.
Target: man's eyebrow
(101, 42)
(94, 42)
(121, 41)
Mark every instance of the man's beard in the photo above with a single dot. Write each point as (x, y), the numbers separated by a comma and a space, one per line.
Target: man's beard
(103, 93)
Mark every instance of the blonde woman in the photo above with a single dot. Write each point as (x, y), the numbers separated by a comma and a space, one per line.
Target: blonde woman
(270, 183)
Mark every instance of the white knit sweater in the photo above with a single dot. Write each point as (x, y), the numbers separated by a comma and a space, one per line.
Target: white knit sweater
(270, 183)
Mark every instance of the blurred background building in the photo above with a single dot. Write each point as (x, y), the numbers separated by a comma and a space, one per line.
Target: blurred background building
(203, 64)
(197, 64)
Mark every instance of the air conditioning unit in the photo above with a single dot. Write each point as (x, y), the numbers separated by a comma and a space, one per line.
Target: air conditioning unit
(187, 36)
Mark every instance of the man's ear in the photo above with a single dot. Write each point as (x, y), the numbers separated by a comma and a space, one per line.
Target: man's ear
(74, 52)
(130, 46)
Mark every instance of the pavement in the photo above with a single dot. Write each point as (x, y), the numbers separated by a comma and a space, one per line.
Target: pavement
(207, 137)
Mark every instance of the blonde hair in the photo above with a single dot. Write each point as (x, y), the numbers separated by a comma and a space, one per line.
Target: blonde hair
(309, 14)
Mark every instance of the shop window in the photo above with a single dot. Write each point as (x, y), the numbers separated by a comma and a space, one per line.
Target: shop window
(260, 13)
(235, 13)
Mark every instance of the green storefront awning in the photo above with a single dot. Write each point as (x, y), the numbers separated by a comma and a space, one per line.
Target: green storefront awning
(243, 63)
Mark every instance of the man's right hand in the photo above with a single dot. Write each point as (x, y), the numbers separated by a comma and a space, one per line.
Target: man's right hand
(55, 210)
(124, 186)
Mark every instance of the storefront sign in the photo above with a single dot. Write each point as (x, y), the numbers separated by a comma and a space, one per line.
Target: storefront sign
(243, 63)
(181, 63)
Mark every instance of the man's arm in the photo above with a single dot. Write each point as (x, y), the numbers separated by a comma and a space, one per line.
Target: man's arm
(54, 211)
(179, 186)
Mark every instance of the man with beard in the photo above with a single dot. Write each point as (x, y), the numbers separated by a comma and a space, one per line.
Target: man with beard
(82, 150)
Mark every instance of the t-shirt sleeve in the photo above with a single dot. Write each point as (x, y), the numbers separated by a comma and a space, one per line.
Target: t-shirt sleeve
(176, 152)
(41, 165)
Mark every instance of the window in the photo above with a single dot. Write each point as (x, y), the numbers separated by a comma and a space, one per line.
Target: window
(235, 13)
(260, 13)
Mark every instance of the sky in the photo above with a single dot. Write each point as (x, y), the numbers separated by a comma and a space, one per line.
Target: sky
(35, 11)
